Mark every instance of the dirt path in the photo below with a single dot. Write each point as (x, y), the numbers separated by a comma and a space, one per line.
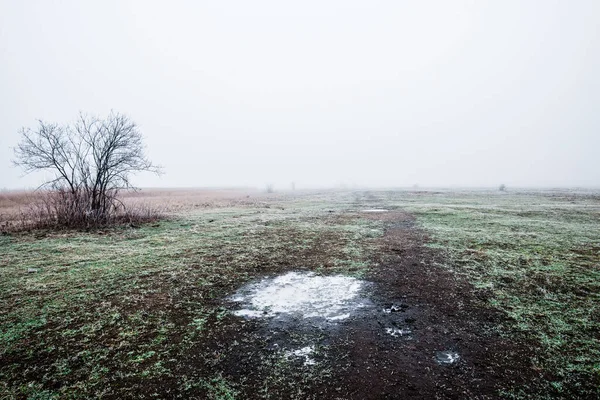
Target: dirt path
(441, 313)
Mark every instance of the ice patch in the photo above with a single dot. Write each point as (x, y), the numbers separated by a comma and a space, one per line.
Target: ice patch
(304, 352)
(339, 317)
(301, 294)
(395, 332)
(395, 308)
(446, 357)
(374, 210)
(249, 313)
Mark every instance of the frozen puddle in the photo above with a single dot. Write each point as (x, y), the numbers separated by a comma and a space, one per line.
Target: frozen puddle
(301, 294)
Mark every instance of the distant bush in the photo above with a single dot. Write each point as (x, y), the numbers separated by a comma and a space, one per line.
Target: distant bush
(502, 188)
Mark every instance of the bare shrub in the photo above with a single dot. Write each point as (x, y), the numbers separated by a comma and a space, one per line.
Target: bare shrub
(92, 162)
(56, 209)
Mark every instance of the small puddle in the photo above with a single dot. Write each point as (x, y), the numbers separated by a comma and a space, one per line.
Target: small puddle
(300, 294)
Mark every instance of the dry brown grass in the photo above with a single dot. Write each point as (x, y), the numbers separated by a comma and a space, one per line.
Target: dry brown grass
(181, 200)
(14, 204)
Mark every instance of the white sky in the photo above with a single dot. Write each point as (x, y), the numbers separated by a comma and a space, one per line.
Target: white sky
(318, 92)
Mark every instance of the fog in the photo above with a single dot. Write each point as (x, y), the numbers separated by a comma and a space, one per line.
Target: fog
(370, 93)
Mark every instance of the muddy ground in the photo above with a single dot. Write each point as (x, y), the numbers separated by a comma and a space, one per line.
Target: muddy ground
(430, 310)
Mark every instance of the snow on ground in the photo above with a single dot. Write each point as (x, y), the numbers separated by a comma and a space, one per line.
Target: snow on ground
(301, 294)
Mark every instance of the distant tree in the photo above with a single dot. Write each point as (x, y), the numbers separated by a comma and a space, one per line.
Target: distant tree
(91, 162)
(270, 188)
(502, 188)
(293, 185)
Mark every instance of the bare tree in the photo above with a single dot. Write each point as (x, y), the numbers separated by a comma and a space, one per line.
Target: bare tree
(92, 161)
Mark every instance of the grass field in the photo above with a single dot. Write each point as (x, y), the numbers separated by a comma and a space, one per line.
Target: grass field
(140, 312)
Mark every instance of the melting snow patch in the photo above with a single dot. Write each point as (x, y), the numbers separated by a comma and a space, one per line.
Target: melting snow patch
(397, 332)
(304, 352)
(302, 294)
(446, 357)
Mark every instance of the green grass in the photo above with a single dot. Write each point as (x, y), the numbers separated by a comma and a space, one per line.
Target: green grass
(112, 313)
